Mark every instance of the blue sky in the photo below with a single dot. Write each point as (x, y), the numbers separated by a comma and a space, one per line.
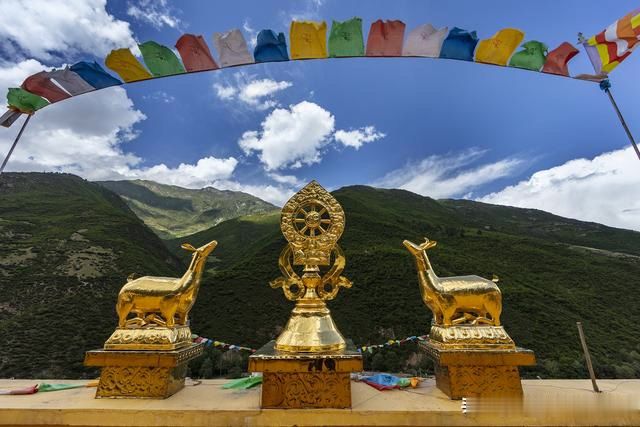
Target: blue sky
(451, 128)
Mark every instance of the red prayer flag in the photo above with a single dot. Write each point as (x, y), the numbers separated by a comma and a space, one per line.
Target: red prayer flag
(558, 59)
(385, 38)
(195, 53)
(41, 84)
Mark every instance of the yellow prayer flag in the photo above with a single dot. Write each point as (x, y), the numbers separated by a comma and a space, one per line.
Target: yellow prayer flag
(126, 65)
(498, 49)
(308, 39)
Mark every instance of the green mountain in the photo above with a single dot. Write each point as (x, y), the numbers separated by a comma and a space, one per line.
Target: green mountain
(66, 248)
(553, 272)
(172, 211)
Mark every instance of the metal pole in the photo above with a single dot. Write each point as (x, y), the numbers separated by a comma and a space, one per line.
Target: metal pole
(587, 357)
(15, 142)
(607, 89)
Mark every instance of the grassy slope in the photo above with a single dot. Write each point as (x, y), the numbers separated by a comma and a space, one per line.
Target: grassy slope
(172, 211)
(547, 283)
(57, 298)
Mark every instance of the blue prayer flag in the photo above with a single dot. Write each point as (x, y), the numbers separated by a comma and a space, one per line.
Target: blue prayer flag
(270, 47)
(459, 44)
(94, 74)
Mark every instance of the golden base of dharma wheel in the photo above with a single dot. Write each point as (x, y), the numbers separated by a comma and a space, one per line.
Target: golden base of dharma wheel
(305, 380)
(478, 372)
(141, 374)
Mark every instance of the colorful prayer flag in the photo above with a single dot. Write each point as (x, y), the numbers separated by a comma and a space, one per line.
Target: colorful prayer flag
(94, 74)
(459, 44)
(40, 84)
(126, 65)
(531, 58)
(270, 47)
(425, 40)
(345, 38)
(71, 81)
(615, 43)
(24, 101)
(558, 59)
(195, 53)
(385, 38)
(232, 48)
(160, 60)
(308, 39)
(497, 49)
(9, 117)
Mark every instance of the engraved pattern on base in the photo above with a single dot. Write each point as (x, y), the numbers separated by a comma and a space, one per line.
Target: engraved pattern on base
(306, 390)
(139, 381)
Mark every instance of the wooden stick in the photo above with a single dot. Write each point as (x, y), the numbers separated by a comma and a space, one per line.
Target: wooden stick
(587, 357)
(624, 123)
(15, 142)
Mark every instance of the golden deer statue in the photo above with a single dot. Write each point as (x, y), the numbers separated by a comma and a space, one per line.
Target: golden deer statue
(456, 300)
(149, 296)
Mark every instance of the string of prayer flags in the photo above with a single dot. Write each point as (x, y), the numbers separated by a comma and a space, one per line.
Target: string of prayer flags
(270, 47)
(425, 40)
(459, 44)
(126, 65)
(345, 38)
(40, 84)
(615, 43)
(558, 59)
(532, 57)
(385, 38)
(160, 60)
(498, 49)
(94, 74)
(71, 81)
(209, 342)
(370, 348)
(24, 101)
(308, 39)
(195, 53)
(232, 48)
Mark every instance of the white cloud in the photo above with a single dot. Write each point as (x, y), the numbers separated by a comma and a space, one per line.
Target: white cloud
(285, 179)
(291, 137)
(204, 173)
(447, 176)
(154, 12)
(605, 189)
(255, 93)
(46, 29)
(358, 137)
(306, 10)
(161, 96)
(252, 34)
(276, 194)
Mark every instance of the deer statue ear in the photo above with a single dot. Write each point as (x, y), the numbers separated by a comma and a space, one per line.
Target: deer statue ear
(188, 247)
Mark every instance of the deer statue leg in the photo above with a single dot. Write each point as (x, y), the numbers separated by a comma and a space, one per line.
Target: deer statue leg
(123, 308)
(168, 309)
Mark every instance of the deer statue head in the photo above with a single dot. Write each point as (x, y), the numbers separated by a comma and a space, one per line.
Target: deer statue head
(417, 249)
(200, 253)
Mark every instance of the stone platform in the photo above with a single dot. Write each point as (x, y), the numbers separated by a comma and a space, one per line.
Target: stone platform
(545, 403)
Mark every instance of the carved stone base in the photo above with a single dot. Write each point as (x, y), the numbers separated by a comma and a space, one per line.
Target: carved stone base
(303, 380)
(478, 372)
(471, 336)
(149, 338)
(141, 374)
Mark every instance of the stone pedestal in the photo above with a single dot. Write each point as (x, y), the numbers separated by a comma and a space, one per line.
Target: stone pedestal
(478, 372)
(305, 380)
(141, 374)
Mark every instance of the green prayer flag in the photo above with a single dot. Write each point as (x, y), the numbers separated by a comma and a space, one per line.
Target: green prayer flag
(346, 39)
(160, 60)
(55, 387)
(243, 383)
(531, 58)
(25, 101)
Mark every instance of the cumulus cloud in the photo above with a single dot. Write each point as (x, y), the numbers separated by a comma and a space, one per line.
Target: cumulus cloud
(604, 189)
(154, 12)
(48, 30)
(291, 137)
(252, 33)
(205, 172)
(358, 137)
(285, 179)
(276, 194)
(255, 93)
(447, 176)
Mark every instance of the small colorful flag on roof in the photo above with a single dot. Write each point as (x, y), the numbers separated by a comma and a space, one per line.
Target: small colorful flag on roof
(41, 84)
(94, 74)
(615, 43)
(24, 101)
(558, 59)
(532, 57)
(232, 48)
(459, 44)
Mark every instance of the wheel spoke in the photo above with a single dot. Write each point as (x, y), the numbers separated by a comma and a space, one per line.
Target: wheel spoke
(323, 230)
(313, 207)
(325, 221)
(304, 212)
(299, 220)
(312, 232)
(323, 210)
(303, 229)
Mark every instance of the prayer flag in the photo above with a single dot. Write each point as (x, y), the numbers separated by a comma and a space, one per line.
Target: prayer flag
(345, 38)
(126, 65)
(160, 60)
(616, 42)
(24, 101)
(270, 47)
(232, 48)
(459, 44)
(558, 59)
(385, 38)
(308, 39)
(26, 390)
(497, 49)
(195, 53)
(531, 58)
(9, 117)
(40, 84)
(71, 81)
(425, 40)
(94, 74)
